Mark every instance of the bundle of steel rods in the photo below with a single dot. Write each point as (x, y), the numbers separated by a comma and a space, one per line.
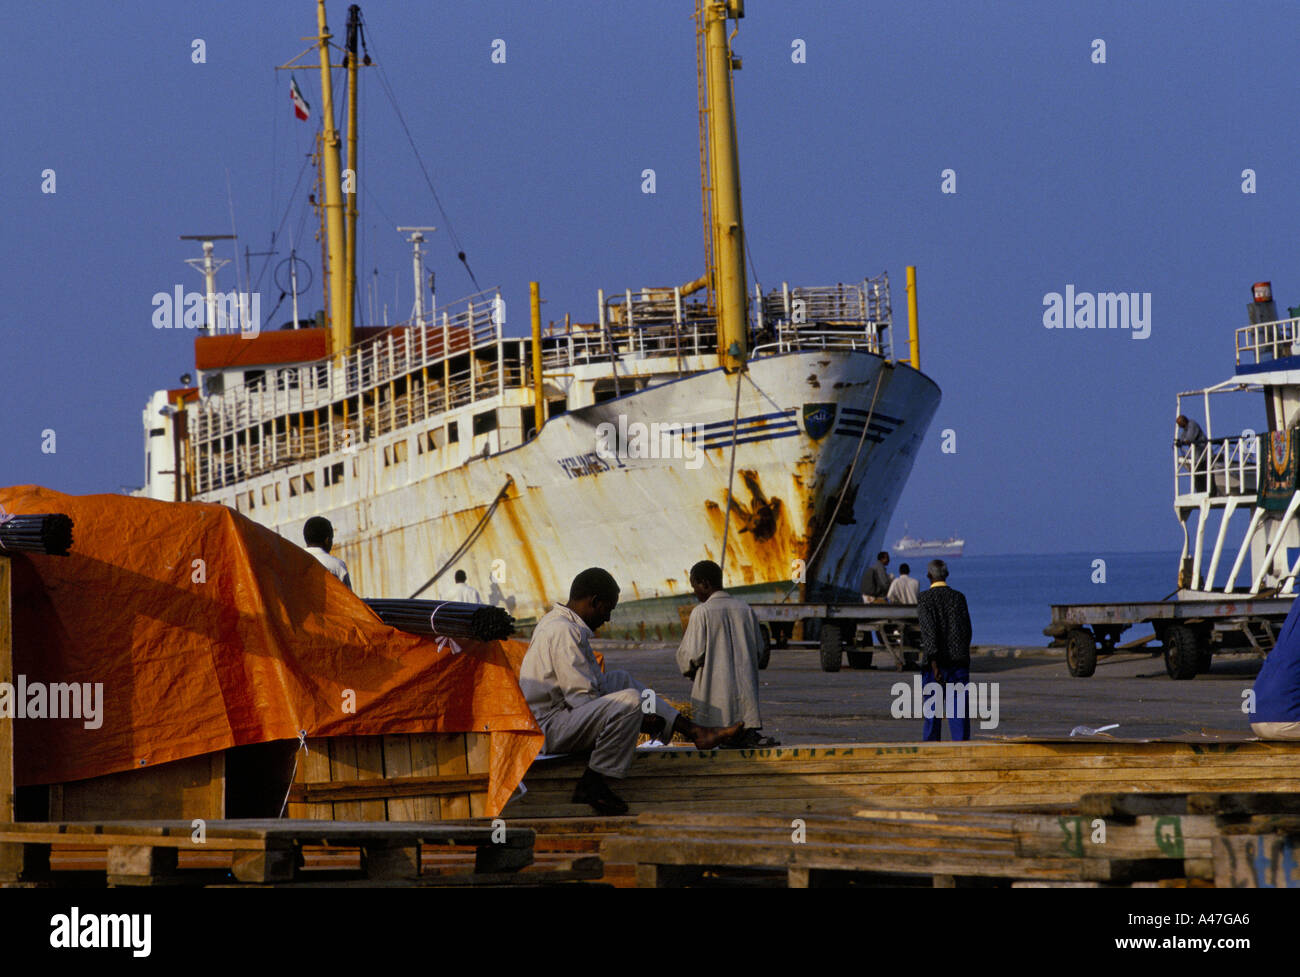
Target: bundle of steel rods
(49, 532)
(445, 618)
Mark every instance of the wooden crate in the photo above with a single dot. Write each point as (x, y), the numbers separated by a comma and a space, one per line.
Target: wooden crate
(404, 777)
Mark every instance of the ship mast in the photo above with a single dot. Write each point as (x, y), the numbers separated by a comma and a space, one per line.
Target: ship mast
(350, 260)
(340, 310)
(722, 195)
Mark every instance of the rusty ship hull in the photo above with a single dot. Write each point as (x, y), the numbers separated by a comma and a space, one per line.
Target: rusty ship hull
(647, 520)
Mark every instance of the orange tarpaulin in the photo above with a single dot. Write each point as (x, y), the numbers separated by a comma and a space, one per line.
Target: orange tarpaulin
(209, 631)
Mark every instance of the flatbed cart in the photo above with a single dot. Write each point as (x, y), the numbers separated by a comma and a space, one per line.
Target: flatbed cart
(1189, 631)
(895, 624)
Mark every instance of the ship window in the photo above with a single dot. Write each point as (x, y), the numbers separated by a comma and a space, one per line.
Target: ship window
(554, 408)
(434, 438)
(309, 481)
(453, 432)
(254, 379)
(485, 422)
(287, 379)
(250, 504)
(156, 432)
(395, 454)
(322, 375)
(334, 474)
(293, 486)
(270, 493)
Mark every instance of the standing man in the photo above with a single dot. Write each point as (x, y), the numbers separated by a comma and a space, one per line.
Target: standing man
(719, 651)
(875, 585)
(875, 582)
(1191, 435)
(463, 592)
(580, 708)
(945, 646)
(904, 589)
(318, 534)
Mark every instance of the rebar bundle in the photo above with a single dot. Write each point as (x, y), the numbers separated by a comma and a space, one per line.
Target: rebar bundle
(49, 533)
(445, 618)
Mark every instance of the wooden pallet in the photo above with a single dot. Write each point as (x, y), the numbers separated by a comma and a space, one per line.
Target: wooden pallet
(988, 774)
(1205, 839)
(261, 852)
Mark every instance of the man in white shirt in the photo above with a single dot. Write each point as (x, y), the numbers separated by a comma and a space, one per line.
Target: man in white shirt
(904, 588)
(319, 537)
(580, 708)
(463, 592)
(719, 652)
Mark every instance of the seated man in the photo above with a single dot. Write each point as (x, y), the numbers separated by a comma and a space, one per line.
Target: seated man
(720, 652)
(581, 708)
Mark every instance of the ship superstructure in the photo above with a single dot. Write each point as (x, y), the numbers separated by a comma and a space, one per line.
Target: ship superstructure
(1243, 486)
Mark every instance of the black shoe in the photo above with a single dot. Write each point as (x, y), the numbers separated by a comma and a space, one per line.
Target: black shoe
(593, 790)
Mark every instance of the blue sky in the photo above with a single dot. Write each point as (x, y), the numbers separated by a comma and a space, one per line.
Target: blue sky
(1122, 176)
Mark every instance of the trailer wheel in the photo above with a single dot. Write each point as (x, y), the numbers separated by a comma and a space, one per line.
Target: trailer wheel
(1182, 651)
(832, 649)
(1204, 660)
(860, 659)
(1080, 652)
(765, 651)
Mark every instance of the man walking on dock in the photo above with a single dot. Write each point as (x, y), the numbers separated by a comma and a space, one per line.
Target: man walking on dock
(945, 645)
(719, 652)
(580, 708)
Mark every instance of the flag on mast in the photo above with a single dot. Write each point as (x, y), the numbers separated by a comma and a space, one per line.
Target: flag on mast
(300, 107)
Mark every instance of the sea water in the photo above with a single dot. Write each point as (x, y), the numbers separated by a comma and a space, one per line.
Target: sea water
(1011, 597)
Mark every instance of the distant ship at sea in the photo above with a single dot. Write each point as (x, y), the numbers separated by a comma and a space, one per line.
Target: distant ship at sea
(914, 547)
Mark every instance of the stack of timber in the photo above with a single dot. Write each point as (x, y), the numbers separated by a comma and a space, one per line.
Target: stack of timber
(1137, 840)
(983, 774)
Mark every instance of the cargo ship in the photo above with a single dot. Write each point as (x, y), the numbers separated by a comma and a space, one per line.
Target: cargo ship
(768, 429)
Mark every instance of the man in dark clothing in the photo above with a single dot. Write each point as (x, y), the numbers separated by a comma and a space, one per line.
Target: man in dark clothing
(875, 582)
(945, 646)
(875, 585)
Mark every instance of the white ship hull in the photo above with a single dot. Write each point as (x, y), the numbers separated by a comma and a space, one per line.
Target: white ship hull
(646, 520)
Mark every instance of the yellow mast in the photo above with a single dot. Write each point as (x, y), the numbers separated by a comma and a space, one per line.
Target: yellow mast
(340, 312)
(724, 170)
(350, 260)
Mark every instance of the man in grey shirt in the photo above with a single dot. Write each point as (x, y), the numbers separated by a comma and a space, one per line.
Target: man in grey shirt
(581, 708)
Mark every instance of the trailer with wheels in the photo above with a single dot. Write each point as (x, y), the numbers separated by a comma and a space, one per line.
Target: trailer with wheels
(1189, 632)
(895, 625)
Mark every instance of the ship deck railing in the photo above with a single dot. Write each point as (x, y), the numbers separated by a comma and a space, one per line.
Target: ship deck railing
(647, 324)
(1266, 341)
(1217, 469)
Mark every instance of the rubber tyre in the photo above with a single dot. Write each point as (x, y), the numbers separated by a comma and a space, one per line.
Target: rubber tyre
(1182, 651)
(860, 659)
(1080, 652)
(765, 652)
(832, 647)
